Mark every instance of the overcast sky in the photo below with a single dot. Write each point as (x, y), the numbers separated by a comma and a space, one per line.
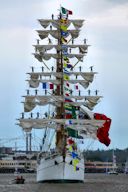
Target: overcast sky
(106, 29)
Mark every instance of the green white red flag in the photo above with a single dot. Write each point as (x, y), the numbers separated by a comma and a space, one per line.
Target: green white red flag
(66, 11)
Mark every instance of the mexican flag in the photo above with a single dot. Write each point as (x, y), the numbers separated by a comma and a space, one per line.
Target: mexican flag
(66, 11)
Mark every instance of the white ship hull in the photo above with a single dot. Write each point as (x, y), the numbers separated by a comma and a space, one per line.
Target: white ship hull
(54, 169)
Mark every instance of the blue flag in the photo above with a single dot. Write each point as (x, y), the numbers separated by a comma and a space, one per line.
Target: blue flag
(65, 47)
(64, 52)
(69, 65)
(74, 155)
(64, 34)
(67, 72)
(70, 122)
(44, 85)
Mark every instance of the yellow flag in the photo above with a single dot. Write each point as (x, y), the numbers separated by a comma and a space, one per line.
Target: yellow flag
(64, 41)
(64, 21)
(66, 77)
(70, 148)
(75, 162)
(64, 28)
(65, 65)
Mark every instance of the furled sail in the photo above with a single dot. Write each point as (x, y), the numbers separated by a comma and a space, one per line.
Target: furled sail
(29, 104)
(48, 56)
(78, 23)
(44, 48)
(86, 75)
(36, 75)
(35, 83)
(31, 101)
(54, 33)
(38, 123)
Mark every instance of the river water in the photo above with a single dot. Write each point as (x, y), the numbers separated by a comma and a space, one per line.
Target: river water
(93, 183)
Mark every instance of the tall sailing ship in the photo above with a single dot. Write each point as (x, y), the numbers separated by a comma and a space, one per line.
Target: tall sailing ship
(67, 107)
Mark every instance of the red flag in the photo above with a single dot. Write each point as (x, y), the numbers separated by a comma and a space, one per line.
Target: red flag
(67, 84)
(103, 132)
(68, 100)
(103, 136)
(70, 141)
(69, 12)
(51, 86)
(66, 94)
(68, 116)
(76, 87)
